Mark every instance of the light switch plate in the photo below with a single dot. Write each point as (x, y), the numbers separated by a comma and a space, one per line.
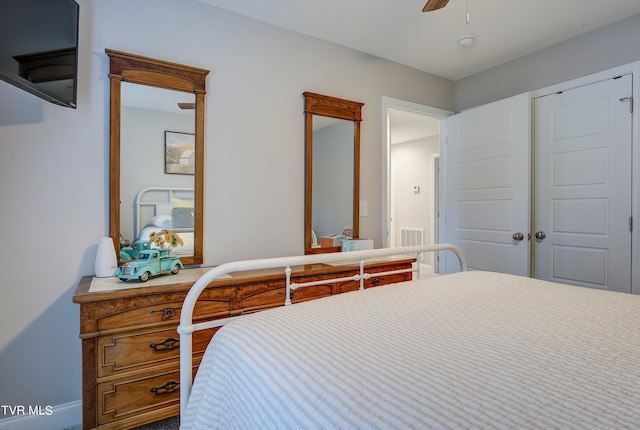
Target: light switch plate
(364, 208)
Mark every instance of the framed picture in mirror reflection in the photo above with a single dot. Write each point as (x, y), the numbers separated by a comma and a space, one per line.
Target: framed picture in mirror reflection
(179, 153)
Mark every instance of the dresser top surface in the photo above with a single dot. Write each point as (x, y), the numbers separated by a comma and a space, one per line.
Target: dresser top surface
(91, 288)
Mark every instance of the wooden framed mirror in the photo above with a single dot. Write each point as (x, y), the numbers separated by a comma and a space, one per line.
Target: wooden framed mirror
(156, 168)
(332, 171)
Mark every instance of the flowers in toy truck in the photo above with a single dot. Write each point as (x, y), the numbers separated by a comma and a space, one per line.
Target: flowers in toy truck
(166, 238)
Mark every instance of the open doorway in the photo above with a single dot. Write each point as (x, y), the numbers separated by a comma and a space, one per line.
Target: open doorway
(413, 137)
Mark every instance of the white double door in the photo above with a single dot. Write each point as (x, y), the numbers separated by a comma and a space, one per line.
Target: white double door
(543, 187)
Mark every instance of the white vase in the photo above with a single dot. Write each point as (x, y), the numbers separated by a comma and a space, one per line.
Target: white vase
(106, 261)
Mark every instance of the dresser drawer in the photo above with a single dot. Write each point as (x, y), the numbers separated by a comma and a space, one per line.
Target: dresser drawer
(376, 281)
(124, 399)
(164, 312)
(345, 287)
(126, 352)
(256, 297)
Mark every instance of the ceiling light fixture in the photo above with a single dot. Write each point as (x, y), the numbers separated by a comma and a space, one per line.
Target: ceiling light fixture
(466, 41)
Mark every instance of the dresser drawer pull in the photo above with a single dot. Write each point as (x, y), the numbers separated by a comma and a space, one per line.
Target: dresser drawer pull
(166, 312)
(376, 281)
(292, 294)
(167, 388)
(168, 344)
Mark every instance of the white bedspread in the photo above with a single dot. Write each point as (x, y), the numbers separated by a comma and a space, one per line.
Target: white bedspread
(473, 350)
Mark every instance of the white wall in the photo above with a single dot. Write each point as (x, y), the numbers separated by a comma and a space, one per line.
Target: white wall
(601, 49)
(54, 164)
(413, 167)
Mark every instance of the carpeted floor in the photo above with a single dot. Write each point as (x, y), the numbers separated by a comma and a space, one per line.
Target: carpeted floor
(172, 423)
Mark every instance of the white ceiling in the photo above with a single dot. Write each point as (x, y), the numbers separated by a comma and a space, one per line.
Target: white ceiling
(155, 98)
(399, 31)
(406, 126)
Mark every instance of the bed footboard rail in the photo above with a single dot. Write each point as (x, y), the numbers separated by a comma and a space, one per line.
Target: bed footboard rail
(187, 327)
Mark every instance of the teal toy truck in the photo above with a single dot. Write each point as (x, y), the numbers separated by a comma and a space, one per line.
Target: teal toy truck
(148, 263)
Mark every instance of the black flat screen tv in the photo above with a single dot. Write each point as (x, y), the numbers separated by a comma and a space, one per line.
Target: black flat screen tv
(39, 48)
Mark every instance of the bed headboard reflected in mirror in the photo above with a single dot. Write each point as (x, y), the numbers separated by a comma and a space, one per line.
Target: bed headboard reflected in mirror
(149, 163)
(332, 170)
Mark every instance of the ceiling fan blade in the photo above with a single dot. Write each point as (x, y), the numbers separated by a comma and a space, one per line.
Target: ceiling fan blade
(434, 5)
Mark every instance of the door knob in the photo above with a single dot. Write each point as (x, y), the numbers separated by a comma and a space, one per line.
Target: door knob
(540, 235)
(518, 236)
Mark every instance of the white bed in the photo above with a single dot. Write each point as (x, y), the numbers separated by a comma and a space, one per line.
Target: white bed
(468, 350)
(159, 208)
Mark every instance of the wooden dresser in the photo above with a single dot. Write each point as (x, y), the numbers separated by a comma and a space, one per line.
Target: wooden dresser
(130, 346)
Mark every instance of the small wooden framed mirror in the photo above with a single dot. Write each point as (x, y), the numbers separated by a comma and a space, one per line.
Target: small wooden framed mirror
(156, 152)
(332, 171)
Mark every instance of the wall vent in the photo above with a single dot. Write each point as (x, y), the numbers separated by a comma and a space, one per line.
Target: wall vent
(410, 236)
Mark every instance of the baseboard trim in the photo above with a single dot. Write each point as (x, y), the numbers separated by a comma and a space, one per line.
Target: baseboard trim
(61, 417)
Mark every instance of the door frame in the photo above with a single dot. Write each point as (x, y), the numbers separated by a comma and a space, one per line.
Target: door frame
(435, 204)
(387, 103)
(634, 70)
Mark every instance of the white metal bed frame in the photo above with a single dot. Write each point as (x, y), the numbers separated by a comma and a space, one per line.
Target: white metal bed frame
(160, 206)
(187, 327)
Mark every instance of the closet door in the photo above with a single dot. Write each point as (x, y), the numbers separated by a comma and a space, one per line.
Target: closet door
(582, 165)
(487, 195)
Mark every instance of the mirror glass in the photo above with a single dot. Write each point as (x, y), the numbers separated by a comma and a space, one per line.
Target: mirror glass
(156, 155)
(157, 164)
(332, 171)
(332, 212)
